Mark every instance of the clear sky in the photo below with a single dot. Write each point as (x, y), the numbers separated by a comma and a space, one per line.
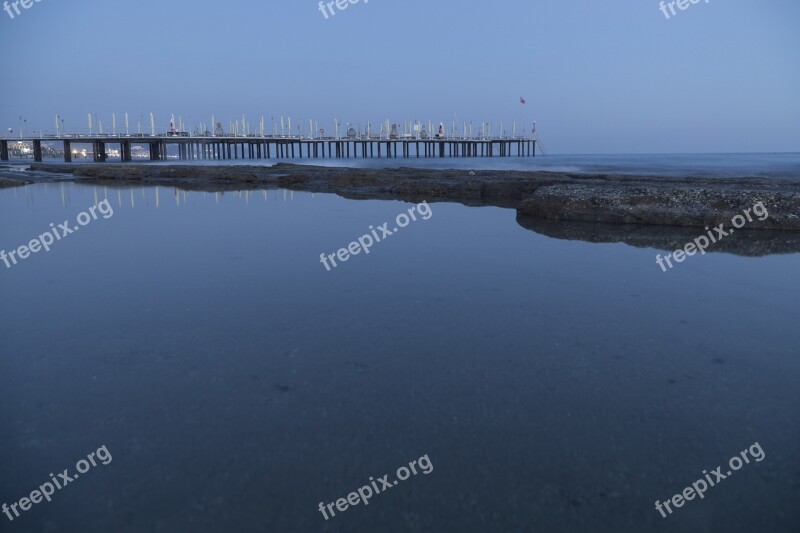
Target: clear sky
(611, 76)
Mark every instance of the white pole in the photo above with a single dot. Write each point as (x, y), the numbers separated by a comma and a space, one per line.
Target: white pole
(113, 123)
(127, 131)
(152, 125)
(90, 123)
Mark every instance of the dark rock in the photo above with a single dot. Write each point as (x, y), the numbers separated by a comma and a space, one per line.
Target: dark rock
(12, 182)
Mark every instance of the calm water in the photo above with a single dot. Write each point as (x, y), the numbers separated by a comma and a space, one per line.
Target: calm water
(782, 165)
(555, 385)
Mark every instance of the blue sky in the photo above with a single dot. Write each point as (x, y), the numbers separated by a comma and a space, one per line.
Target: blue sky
(599, 77)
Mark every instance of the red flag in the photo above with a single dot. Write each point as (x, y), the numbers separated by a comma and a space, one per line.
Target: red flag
(522, 100)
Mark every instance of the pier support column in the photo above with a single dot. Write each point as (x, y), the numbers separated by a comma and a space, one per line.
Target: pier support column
(125, 151)
(67, 152)
(37, 151)
(3, 150)
(99, 150)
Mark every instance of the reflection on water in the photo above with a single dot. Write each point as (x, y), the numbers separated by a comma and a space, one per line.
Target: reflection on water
(154, 194)
(556, 385)
(744, 242)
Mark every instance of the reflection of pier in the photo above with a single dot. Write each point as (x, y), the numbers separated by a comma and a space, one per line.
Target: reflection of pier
(257, 147)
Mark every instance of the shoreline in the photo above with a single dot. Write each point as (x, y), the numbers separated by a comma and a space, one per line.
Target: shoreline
(7, 183)
(640, 211)
(557, 196)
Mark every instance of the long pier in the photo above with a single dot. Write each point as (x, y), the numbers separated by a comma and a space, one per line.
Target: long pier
(258, 147)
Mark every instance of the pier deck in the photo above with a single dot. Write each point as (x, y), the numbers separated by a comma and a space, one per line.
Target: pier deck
(230, 147)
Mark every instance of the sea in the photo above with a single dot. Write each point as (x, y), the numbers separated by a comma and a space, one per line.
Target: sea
(191, 363)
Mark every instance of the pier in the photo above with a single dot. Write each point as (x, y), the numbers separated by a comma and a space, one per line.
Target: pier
(271, 147)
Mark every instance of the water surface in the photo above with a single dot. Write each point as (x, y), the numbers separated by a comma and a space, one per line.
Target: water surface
(555, 385)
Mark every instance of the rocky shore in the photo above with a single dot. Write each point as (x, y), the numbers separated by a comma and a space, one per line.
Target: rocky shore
(12, 175)
(639, 210)
(11, 182)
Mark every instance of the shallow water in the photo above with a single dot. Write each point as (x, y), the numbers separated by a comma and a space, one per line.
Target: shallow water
(554, 385)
